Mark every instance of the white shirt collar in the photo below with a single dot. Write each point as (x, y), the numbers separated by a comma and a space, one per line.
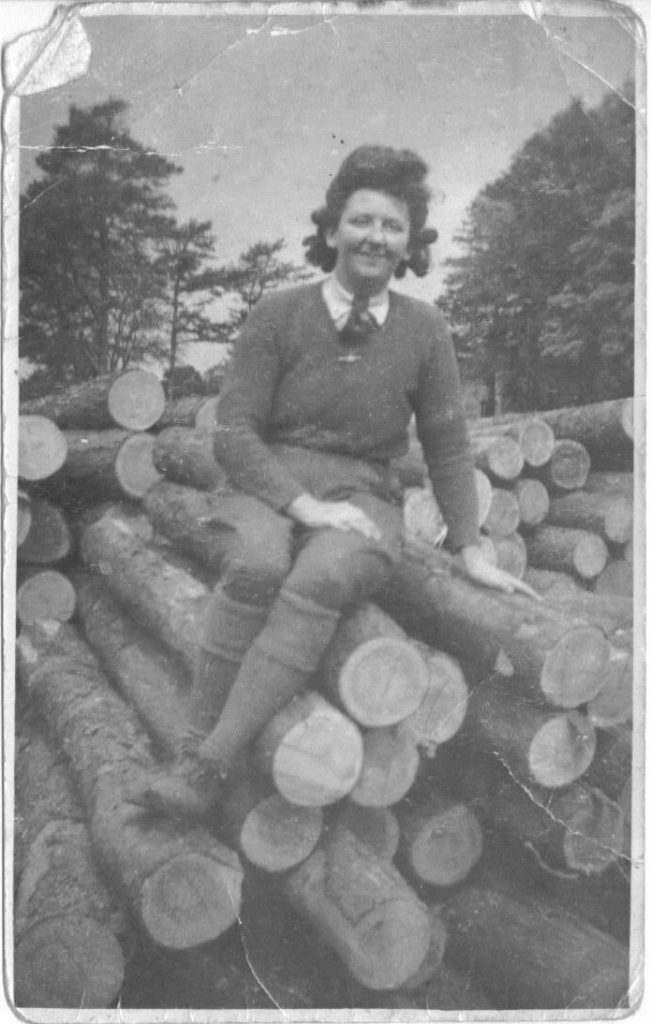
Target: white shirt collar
(339, 301)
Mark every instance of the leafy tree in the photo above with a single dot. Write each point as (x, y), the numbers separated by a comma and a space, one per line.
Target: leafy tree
(258, 270)
(543, 293)
(91, 228)
(192, 287)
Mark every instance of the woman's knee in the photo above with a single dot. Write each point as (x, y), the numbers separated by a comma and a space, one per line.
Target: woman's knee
(337, 569)
(258, 566)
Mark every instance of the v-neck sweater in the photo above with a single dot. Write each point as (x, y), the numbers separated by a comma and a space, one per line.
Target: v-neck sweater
(292, 382)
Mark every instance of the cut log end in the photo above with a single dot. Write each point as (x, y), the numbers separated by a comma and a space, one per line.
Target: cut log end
(41, 448)
(189, 900)
(511, 554)
(569, 465)
(504, 514)
(136, 400)
(562, 750)
(134, 465)
(383, 681)
(23, 519)
(277, 835)
(447, 845)
(536, 441)
(614, 703)
(533, 500)
(573, 671)
(442, 711)
(45, 595)
(590, 557)
(484, 493)
(595, 836)
(391, 943)
(67, 963)
(389, 769)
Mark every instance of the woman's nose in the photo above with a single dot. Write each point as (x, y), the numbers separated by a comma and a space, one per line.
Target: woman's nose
(376, 232)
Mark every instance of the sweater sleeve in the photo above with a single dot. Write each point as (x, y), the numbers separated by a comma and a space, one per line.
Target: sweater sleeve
(442, 431)
(243, 409)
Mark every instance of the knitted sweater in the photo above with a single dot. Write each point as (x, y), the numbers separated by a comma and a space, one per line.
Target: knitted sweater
(288, 384)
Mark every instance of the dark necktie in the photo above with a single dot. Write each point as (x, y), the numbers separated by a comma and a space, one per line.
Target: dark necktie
(360, 323)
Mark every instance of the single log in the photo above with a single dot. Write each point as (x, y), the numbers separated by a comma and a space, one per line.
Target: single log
(364, 909)
(181, 882)
(567, 550)
(133, 399)
(49, 539)
(376, 827)
(104, 465)
(441, 712)
(389, 767)
(606, 429)
(144, 674)
(435, 953)
(533, 501)
(187, 518)
(511, 554)
(578, 829)
(499, 457)
(271, 833)
(312, 752)
(616, 579)
(614, 704)
(568, 468)
(535, 955)
(534, 436)
(44, 594)
(41, 448)
(443, 840)
(23, 517)
(66, 923)
(541, 747)
(609, 515)
(551, 657)
(602, 900)
(372, 670)
(504, 513)
(164, 599)
(185, 456)
(614, 614)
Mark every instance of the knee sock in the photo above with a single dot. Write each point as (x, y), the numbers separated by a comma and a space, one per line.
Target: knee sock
(276, 668)
(230, 627)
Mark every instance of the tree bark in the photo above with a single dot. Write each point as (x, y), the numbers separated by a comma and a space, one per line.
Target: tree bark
(44, 594)
(185, 456)
(613, 761)
(616, 579)
(133, 400)
(181, 882)
(451, 988)
(376, 828)
(614, 704)
(312, 752)
(609, 515)
(389, 767)
(567, 550)
(188, 519)
(103, 465)
(164, 599)
(49, 539)
(41, 447)
(364, 909)
(372, 670)
(191, 411)
(67, 926)
(555, 660)
(535, 955)
(146, 676)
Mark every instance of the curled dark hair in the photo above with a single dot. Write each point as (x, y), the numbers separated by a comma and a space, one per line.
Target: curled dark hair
(397, 172)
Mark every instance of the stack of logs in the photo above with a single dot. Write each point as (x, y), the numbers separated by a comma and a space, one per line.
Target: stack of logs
(447, 807)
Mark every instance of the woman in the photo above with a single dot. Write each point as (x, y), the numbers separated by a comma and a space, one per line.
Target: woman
(324, 380)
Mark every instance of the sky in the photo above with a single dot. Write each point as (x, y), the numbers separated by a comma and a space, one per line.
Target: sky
(259, 110)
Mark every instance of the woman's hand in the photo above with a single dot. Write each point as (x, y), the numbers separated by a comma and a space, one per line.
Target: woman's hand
(340, 515)
(481, 571)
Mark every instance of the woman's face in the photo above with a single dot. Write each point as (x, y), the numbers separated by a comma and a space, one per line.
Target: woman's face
(371, 239)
